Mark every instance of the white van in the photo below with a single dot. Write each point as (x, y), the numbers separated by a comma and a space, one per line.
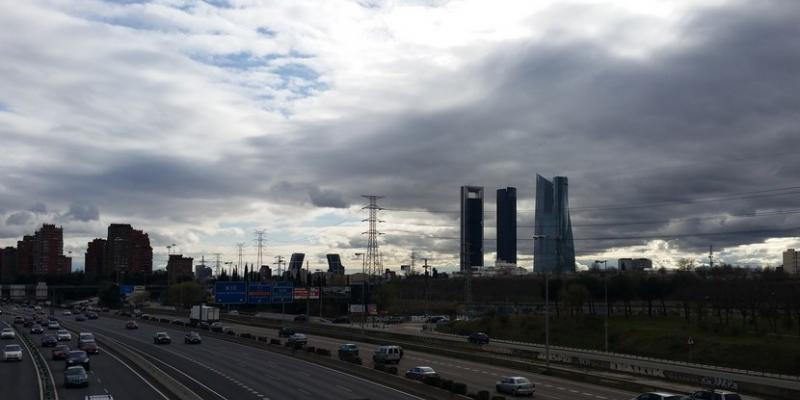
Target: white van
(388, 355)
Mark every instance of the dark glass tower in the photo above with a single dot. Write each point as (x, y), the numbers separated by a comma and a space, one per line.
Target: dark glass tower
(553, 248)
(471, 227)
(507, 225)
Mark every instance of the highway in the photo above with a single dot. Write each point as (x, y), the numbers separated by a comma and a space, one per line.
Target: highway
(477, 376)
(218, 369)
(18, 380)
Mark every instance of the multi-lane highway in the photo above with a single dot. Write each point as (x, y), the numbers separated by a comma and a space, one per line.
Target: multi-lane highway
(18, 380)
(477, 376)
(108, 374)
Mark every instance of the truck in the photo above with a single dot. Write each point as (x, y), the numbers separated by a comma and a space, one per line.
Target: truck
(203, 314)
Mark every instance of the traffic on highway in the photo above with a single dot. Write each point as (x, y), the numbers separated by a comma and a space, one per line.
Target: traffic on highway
(119, 355)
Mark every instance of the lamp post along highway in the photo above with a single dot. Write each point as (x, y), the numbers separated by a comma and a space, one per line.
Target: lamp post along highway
(363, 289)
(546, 311)
(605, 289)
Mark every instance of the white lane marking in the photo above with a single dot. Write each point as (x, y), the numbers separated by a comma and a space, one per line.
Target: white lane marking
(38, 376)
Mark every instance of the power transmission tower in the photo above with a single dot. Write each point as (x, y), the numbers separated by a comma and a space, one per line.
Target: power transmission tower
(216, 262)
(413, 258)
(239, 247)
(710, 257)
(373, 260)
(260, 243)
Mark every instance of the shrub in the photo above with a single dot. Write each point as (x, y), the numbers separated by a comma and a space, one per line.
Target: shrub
(246, 335)
(446, 384)
(324, 352)
(310, 349)
(263, 339)
(473, 396)
(275, 341)
(391, 370)
(379, 366)
(498, 397)
(459, 388)
(432, 380)
(483, 395)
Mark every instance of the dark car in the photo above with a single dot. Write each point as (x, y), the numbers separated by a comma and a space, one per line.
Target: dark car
(60, 352)
(37, 329)
(75, 376)
(161, 338)
(19, 320)
(80, 318)
(192, 338)
(286, 332)
(478, 338)
(131, 325)
(203, 325)
(349, 352)
(341, 320)
(301, 318)
(91, 315)
(78, 357)
(89, 347)
(420, 373)
(49, 341)
(216, 327)
(27, 322)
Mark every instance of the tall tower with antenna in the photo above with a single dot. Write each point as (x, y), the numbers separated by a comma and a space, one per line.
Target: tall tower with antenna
(260, 243)
(239, 248)
(373, 262)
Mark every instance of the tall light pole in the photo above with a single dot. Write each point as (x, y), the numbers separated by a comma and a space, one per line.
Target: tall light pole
(605, 289)
(363, 288)
(546, 311)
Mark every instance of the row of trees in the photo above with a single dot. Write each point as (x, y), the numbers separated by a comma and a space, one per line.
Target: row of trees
(763, 300)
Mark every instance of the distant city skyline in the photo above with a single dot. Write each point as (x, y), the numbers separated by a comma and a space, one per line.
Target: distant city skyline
(200, 124)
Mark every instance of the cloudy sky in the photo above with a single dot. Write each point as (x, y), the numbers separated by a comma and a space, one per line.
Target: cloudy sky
(200, 122)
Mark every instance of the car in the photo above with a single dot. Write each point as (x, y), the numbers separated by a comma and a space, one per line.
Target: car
(92, 315)
(216, 327)
(49, 341)
(515, 386)
(478, 338)
(286, 332)
(715, 395)
(99, 397)
(78, 357)
(161, 338)
(37, 329)
(203, 325)
(387, 354)
(297, 340)
(60, 352)
(660, 396)
(28, 322)
(75, 376)
(233, 312)
(89, 347)
(341, 320)
(67, 313)
(420, 373)
(348, 351)
(19, 320)
(85, 337)
(131, 325)
(192, 338)
(7, 333)
(80, 318)
(228, 330)
(63, 335)
(301, 318)
(12, 352)
(53, 325)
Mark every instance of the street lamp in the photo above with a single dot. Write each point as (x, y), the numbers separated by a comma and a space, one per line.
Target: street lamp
(363, 288)
(546, 310)
(605, 289)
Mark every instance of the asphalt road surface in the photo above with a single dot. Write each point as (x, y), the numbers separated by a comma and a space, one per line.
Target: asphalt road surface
(18, 380)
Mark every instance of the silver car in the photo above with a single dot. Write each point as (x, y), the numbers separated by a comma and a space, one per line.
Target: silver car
(76, 376)
(515, 386)
(63, 335)
(660, 396)
(12, 352)
(8, 333)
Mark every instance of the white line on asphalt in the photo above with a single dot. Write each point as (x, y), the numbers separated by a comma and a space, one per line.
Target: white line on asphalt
(38, 375)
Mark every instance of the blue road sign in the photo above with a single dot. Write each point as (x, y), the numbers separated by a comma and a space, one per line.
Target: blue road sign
(283, 292)
(230, 292)
(259, 293)
(126, 290)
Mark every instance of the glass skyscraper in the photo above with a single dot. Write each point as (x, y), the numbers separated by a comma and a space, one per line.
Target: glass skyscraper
(471, 227)
(507, 225)
(553, 248)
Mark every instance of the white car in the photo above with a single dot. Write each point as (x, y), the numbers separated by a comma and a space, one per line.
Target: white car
(53, 325)
(8, 333)
(67, 313)
(515, 385)
(63, 335)
(12, 352)
(660, 396)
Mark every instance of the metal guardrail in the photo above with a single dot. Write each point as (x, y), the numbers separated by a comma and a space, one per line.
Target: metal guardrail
(47, 386)
(641, 358)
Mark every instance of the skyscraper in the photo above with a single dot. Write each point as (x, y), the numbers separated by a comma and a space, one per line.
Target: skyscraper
(127, 250)
(507, 225)
(93, 261)
(296, 265)
(471, 227)
(553, 249)
(335, 264)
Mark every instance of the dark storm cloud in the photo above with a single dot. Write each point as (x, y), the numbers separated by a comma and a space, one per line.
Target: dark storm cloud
(711, 115)
(326, 198)
(83, 212)
(19, 218)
